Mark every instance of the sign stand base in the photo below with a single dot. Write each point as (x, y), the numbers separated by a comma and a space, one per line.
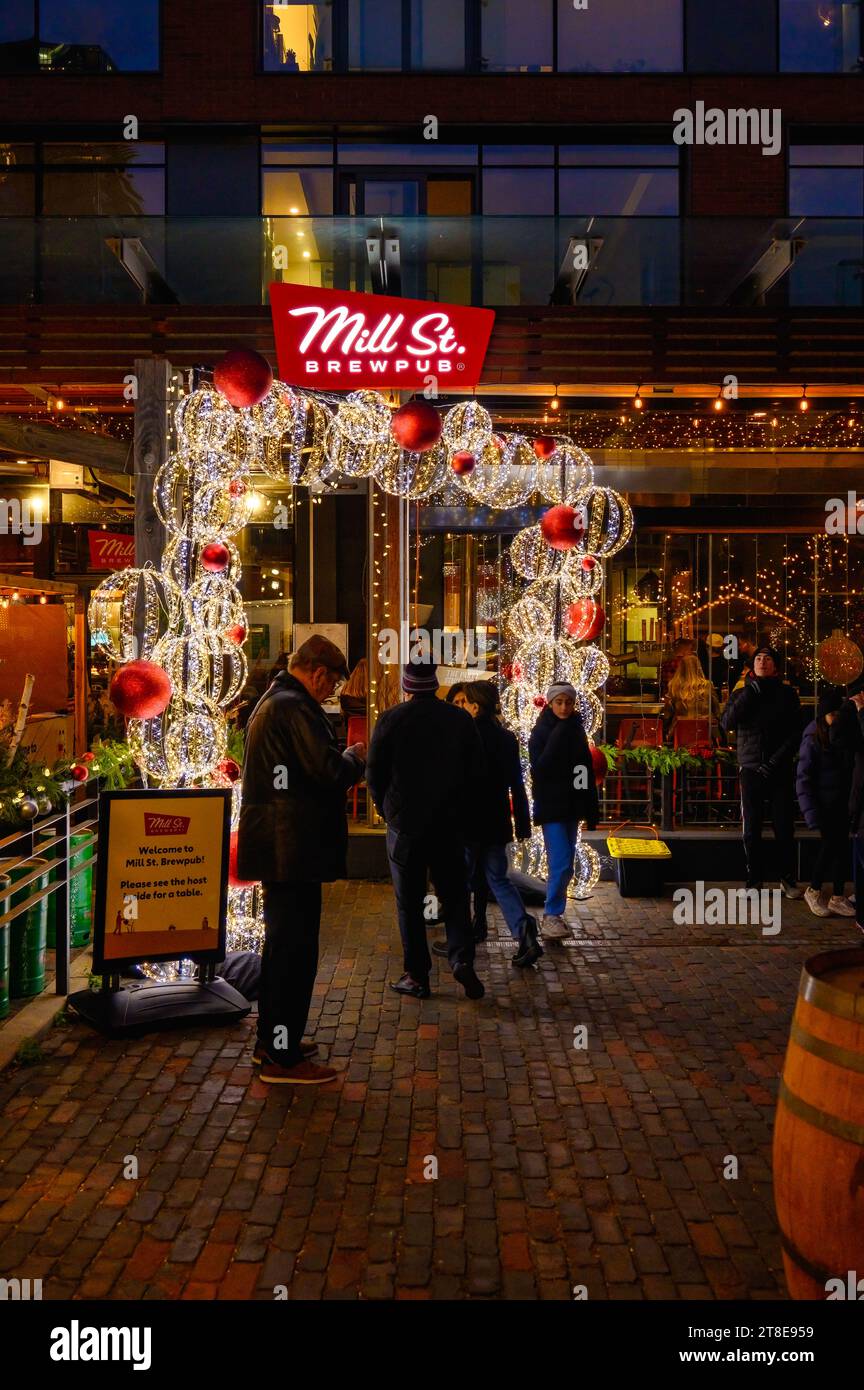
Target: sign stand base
(139, 1008)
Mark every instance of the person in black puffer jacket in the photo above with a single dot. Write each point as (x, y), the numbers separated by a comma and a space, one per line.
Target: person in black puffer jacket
(492, 819)
(823, 784)
(767, 716)
(564, 792)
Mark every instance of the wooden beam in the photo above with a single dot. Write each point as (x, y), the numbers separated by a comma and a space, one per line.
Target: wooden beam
(70, 446)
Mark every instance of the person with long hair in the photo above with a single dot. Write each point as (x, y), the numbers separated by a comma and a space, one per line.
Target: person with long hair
(354, 695)
(690, 696)
(823, 785)
(565, 793)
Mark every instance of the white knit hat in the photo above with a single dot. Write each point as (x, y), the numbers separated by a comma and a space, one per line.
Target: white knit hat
(559, 688)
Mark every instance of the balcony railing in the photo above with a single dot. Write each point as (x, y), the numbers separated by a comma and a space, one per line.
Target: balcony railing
(593, 262)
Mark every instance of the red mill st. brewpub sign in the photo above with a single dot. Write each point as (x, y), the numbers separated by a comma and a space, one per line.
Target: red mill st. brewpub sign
(339, 340)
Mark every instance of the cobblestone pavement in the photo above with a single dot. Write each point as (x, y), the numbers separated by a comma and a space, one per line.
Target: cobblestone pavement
(555, 1166)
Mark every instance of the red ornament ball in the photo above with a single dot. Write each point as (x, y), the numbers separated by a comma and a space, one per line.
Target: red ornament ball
(236, 488)
(80, 773)
(236, 633)
(562, 528)
(140, 690)
(233, 876)
(87, 758)
(599, 763)
(416, 426)
(229, 768)
(463, 462)
(585, 619)
(243, 377)
(545, 445)
(507, 671)
(540, 701)
(588, 563)
(215, 557)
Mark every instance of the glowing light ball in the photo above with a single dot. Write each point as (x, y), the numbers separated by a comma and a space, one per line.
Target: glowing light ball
(140, 690)
(243, 377)
(585, 619)
(463, 462)
(561, 527)
(215, 557)
(416, 426)
(545, 445)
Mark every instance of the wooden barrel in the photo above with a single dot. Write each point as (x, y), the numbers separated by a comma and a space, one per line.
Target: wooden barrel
(819, 1128)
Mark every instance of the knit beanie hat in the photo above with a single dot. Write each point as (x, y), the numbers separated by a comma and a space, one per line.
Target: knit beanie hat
(769, 651)
(559, 688)
(419, 678)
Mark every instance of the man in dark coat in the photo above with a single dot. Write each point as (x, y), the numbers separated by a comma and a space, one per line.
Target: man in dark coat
(425, 759)
(849, 727)
(767, 716)
(293, 836)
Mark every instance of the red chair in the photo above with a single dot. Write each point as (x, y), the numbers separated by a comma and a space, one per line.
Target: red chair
(637, 733)
(693, 734)
(357, 733)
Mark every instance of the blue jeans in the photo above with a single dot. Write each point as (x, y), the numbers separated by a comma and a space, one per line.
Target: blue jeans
(493, 860)
(559, 838)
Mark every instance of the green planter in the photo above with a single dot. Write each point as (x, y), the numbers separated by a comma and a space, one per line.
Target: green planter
(28, 933)
(80, 892)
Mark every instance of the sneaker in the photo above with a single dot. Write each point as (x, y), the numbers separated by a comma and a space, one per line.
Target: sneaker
(465, 976)
(554, 928)
(814, 901)
(259, 1055)
(839, 907)
(791, 889)
(303, 1074)
(529, 948)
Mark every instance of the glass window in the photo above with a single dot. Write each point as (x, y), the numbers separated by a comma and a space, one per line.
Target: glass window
(17, 22)
(519, 192)
(618, 36)
(519, 154)
(122, 153)
(618, 154)
(361, 152)
(516, 37)
(375, 35)
(296, 151)
(826, 180)
(297, 192)
(619, 192)
(17, 193)
(99, 193)
(83, 36)
(438, 34)
(820, 37)
(298, 37)
(391, 197)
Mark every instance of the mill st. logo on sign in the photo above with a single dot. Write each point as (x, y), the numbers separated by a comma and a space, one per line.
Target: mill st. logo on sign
(349, 340)
(165, 825)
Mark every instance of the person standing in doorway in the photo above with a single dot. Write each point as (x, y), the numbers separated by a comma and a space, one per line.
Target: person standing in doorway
(565, 793)
(766, 713)
(293, 836)
(425, 762)
(823, 785)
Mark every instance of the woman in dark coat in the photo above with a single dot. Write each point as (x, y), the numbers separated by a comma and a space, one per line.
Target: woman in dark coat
(565, 793)
(823, 783)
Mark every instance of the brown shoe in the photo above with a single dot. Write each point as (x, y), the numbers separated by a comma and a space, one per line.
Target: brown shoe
(259, 1054)
(303, 1074)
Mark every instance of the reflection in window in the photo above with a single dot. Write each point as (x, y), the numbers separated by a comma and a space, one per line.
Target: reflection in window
(92, 193)
(820, 37)
(375, 35)
(516, 37)
(391, 197)
(519, 192)
(80, 36)
(438, 34)
(298, 37)
(826, 181)
(619, 192)
(297, 192)
(618, 36)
